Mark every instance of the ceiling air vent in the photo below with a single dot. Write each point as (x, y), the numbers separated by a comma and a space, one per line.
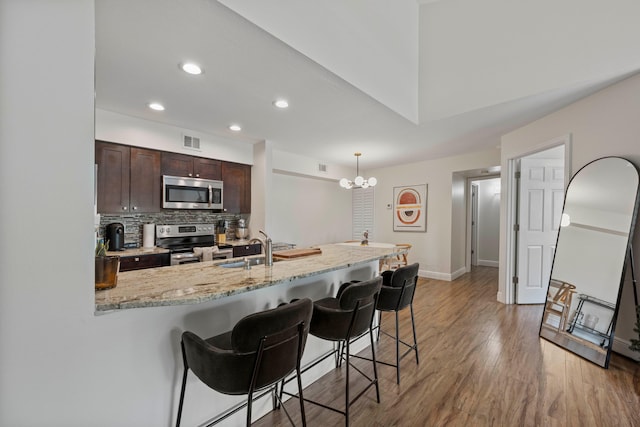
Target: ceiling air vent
(322, 168)
(190, 142)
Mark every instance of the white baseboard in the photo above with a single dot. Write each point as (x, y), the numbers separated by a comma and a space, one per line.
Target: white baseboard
(621, 346)
(459, 272)
(487, 263)
(442, 276)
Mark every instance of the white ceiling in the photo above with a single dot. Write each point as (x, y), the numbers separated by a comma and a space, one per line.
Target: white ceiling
(399, 81)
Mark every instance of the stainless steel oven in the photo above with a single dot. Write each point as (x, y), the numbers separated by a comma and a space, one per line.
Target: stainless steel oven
(191, 193)
(181, 239)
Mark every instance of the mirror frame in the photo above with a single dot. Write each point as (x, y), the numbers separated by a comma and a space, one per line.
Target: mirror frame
(575, 347)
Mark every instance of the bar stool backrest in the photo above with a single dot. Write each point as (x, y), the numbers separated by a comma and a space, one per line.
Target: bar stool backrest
(403, 277)
(265, 347)
(348, 314)
(361, 296)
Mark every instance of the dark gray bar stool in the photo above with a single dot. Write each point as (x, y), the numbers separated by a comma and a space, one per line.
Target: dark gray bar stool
(261, 350)
(344, 319)
(396, 294)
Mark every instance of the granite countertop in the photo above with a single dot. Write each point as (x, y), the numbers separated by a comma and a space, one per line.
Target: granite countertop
(138, 252)
(205, 281)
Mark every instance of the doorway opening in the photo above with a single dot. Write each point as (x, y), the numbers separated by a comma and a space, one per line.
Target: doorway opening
(483, 221)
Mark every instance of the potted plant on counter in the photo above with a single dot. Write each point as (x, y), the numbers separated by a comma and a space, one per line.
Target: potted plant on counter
(106, 267)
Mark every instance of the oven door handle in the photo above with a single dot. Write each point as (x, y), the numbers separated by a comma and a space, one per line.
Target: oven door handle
(210, 195)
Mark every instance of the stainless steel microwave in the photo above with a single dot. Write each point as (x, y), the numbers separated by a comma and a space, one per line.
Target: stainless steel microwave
(191, 193)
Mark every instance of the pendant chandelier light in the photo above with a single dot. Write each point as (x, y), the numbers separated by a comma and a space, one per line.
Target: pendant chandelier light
(358, 181)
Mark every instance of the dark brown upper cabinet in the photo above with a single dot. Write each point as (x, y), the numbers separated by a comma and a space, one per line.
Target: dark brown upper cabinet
(128, 178)
(146, 184)
(196, 167)
(237, 187)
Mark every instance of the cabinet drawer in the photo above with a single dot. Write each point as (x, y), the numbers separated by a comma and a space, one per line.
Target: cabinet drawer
(245, 250)
(139, 262)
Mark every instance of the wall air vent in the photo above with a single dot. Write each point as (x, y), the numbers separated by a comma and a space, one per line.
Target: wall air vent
(190, 142)
(322, 168)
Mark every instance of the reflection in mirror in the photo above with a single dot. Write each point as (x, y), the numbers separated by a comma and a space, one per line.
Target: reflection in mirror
(588, 268)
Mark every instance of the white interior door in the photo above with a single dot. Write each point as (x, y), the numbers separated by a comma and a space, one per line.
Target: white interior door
(541, 198)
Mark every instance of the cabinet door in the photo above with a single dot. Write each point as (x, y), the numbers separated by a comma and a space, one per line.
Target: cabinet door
(237, 187)
(207, 168)
(145, 190)
(246, 250)
(177, 164)
(139, 262)
(113, 177)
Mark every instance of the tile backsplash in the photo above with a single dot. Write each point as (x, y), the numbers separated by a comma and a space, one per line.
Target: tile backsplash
(133, 224)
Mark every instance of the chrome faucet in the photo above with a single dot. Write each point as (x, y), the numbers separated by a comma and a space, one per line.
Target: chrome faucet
(268, 249)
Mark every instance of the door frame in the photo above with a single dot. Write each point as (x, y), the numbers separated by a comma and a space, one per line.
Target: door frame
(468, 246)
(474, 223)
(510, 189)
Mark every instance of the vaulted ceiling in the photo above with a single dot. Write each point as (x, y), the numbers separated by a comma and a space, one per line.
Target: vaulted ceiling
(399, 80)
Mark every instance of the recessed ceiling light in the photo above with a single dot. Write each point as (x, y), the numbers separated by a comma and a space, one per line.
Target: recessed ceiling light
(281, 103)
(235, 128)
(156, 106)
(191, 68)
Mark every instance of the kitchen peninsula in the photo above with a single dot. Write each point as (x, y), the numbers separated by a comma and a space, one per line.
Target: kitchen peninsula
(153, 307)
(206, 281)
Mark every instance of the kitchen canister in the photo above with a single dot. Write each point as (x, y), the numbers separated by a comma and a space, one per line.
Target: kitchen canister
(148, 235)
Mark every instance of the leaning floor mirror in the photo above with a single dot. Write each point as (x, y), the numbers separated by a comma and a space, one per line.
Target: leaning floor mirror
(591, 255)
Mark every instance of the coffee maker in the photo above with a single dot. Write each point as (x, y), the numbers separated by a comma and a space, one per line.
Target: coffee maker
(114, 233)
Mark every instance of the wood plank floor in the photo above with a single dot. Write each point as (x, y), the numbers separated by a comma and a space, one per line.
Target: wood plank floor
(481, 364)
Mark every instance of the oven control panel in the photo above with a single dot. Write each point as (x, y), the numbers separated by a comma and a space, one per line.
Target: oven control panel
(178, 230)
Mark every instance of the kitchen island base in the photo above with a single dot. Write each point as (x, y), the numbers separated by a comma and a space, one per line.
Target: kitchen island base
(221, 315)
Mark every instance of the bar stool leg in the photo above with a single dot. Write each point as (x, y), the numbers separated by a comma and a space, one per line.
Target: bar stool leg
(301, 399)
(184, 384)
(346, 411)
(249, 409)
(415, 339)
(397, 349)
(375, 368)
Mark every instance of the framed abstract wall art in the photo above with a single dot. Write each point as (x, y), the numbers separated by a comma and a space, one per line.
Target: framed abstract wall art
(410, 208)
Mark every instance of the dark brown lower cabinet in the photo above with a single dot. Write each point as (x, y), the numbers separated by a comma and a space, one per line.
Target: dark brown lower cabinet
(246, 250)
(138, 262)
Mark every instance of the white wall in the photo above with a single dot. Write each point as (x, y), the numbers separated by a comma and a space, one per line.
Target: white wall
(604, 124)
(306, 166)
(123, 129)
(488, 222)
(308, 211)
(440, 251)
(261, 185)
(59, 364)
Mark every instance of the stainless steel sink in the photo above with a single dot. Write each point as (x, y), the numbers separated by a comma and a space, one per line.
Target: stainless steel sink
(242, 263)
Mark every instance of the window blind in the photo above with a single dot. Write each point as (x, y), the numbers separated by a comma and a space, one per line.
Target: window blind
(362, 208)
